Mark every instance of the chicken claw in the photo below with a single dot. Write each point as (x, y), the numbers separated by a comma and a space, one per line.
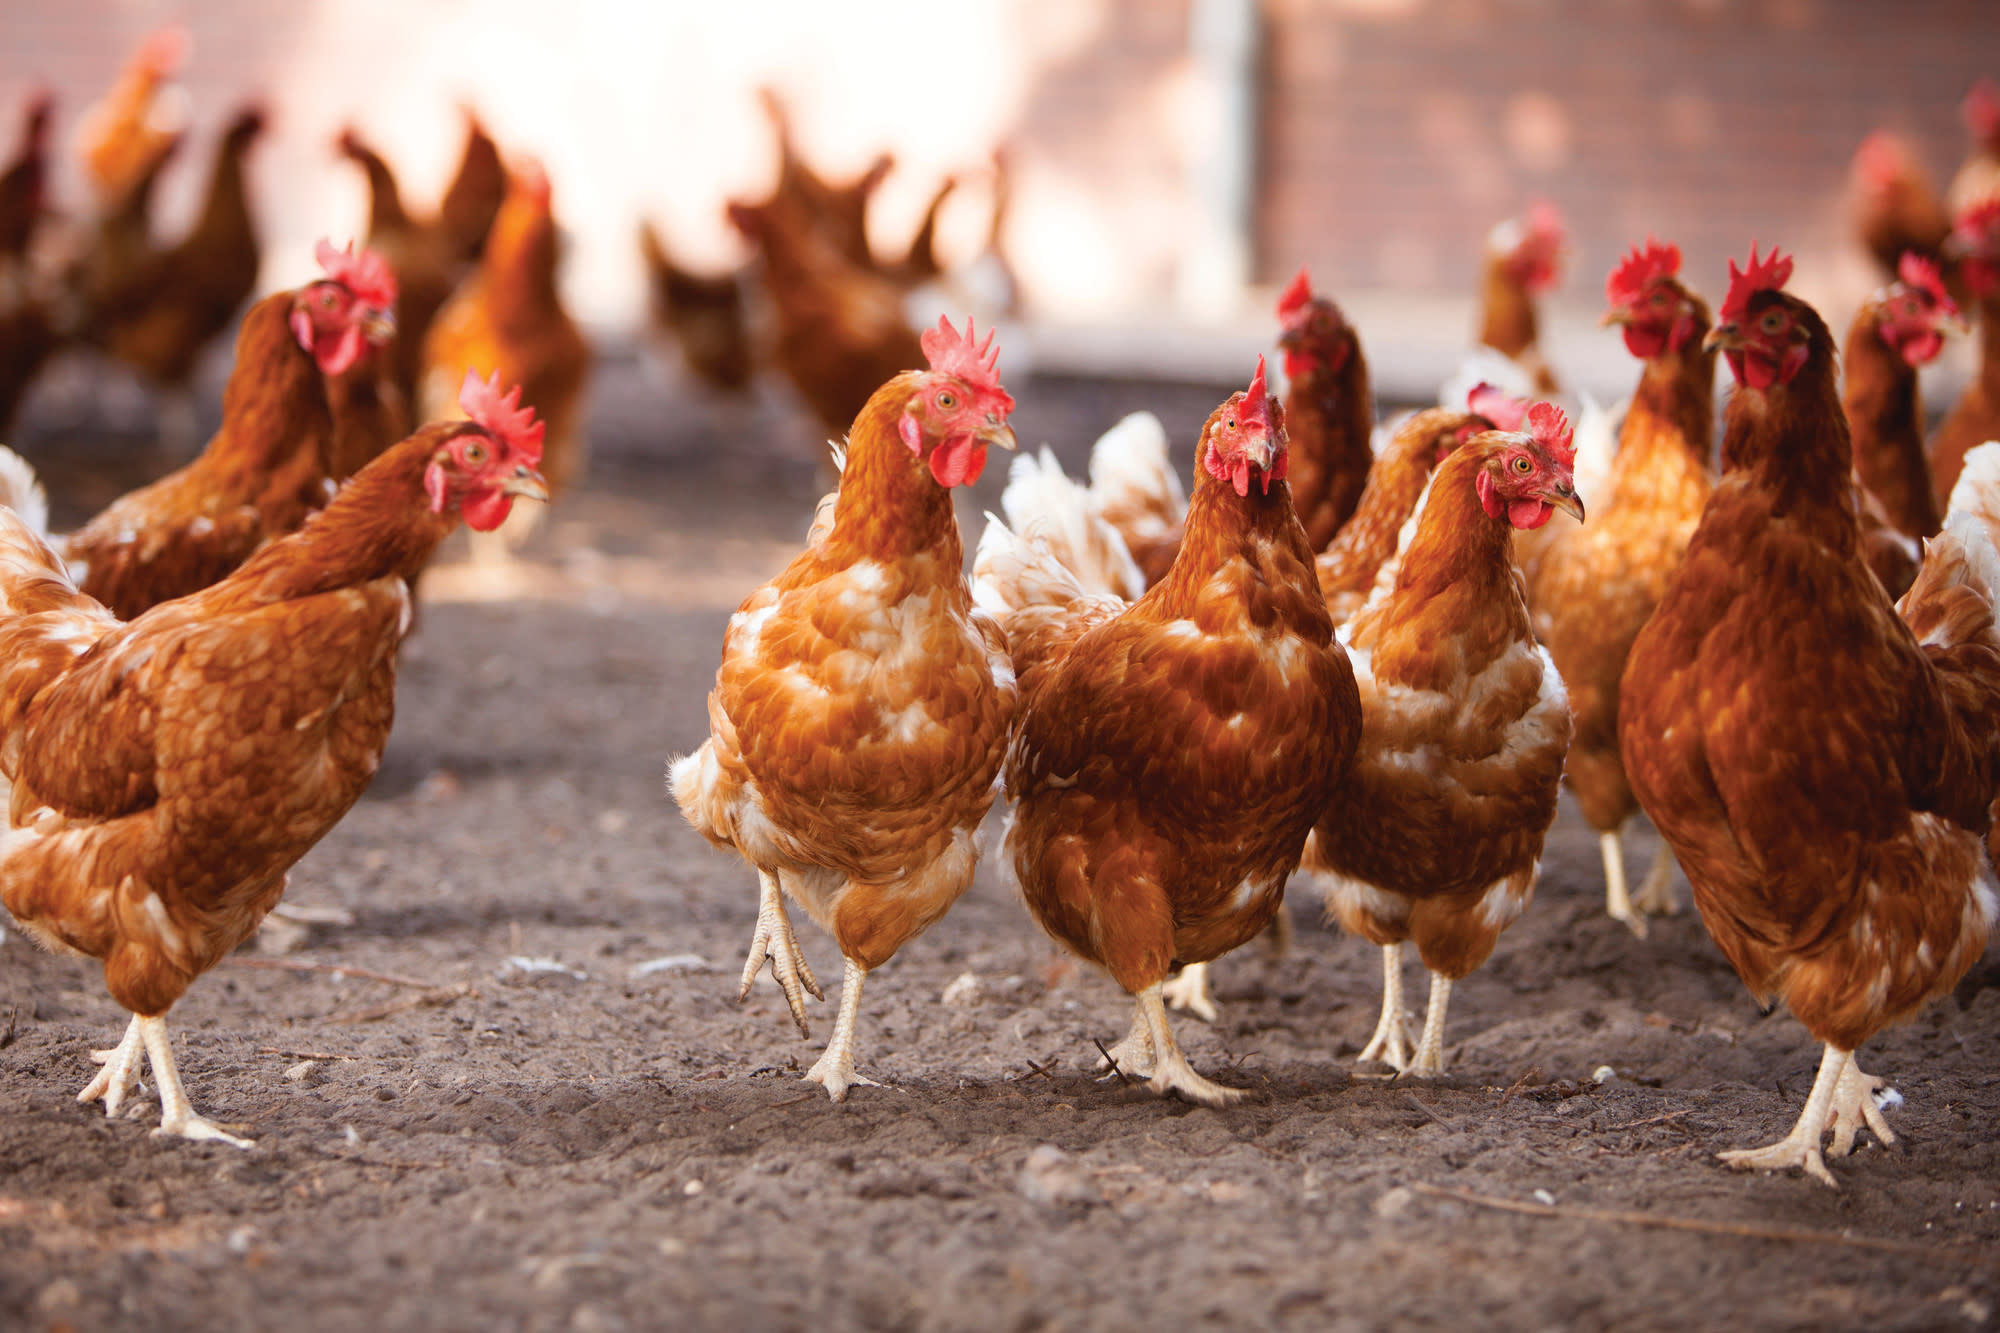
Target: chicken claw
(774, 940)
(1656, 892)
(1132, 1056)
(1391, 1042)
(1190, 991)
(1800, 1148)
(1618, 903)
(120, 1074)
(1171, 1070)
(1853, 1106)
(834, 1070)
(177, 1117)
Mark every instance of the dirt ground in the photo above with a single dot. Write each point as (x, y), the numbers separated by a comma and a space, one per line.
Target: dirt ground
(604, 1139)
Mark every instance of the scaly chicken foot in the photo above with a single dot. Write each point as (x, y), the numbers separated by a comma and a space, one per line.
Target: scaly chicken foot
(120, 1074)
(774, 940)
(177, 1115)
(1429, 1062)
(834, 1070)
(1656, 892)
(1854, 1106)
(1617, 897)
(1190, 991)
(1801, 1147)
(1171, 1071)
(1391, 1042)
(1132, 1056)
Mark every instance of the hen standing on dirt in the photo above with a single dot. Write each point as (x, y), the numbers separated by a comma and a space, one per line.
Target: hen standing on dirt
(1821, 762)
(1173, 753)
(863, 706)
(167, 773)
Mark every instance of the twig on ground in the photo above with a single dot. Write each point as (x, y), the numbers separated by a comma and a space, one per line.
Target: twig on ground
(290, 1054)
(1111, 1065)
(1034, 1068)
(1416, 1102)
(1958, 1254)
(305, 965)
(435, 996)
(1651, 1120)
(1528, 1075)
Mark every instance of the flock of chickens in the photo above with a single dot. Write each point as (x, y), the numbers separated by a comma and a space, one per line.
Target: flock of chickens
(1364, 656)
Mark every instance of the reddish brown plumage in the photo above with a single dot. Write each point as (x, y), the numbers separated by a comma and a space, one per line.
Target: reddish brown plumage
(1173, 755)
(1435, 832)
(163, 307)
(1975, 417)
(422, 252)
(1896, 207)
(1330, 415)
(166, 773)
(1396, 480)
(1592, 586)
(24, 184)
(1885, 419)
(118, 137)
(264, 471)
(472, 199)
(1830, 833)
(1520, 262)
(706, 315)
(509, 318)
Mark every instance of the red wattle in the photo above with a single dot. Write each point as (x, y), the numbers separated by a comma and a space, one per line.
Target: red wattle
(1240, 476)
(1922, 349)
(486, 510)
(1528, 514)
(1643, 341)
(958, 460)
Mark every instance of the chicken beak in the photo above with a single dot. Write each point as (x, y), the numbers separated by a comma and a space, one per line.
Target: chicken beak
(1724, 337)
(527, 484)
(1616, 317)
(1566, 499)
(1261, 453)
(379, 326)
(997, 434)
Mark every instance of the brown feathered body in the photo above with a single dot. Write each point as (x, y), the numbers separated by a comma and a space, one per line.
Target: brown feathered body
(1975, 417)
(119, 137)
(862, 708)
(423, 254)
(1885, 420)
(1366, 543)
(509, 317)
(164, 309)
(1330, 414)
(1173, 753)
(1594, 585)
(368, 410)
(167, 772)
(1821, 766)
(24, 184)
(472, 200)
(1435, 833)
(1896, 206)
(264, 471)
(706, 315)
(1509, 322)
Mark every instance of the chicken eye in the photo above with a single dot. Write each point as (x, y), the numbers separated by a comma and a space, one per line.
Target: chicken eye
(1521, 463)
(1772, 322)
(1230, 424)
(947, 400)
(475, 454)
(326, 300)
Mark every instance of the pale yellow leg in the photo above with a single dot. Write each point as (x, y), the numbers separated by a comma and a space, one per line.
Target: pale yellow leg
(1391, 1042)
(120, 1074)
(835, 1068)
(1190, 991)
(1617, 898)
(1279, 935)
(774, 940)
(1133, 1055)
(177, 1117)
(1171, 1071)
(1854, 1106)
(1430, 1047)
(1801, 1146)
(1656, 892)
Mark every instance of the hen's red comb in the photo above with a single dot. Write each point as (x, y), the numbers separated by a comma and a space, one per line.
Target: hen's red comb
(976, 363)
(1497, 406)
(366, 274)
(1641, 268)
(1297, 295)
(1766, 275)
(1921, 275)
(1256, 409)
(1550, 429)
(502, 416)
(1981, 110)
(163, 51)
(1545, 224)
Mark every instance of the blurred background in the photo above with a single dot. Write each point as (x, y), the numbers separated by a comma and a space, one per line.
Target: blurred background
(1170, 163)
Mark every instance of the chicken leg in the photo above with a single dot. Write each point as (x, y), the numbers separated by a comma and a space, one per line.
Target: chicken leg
(1190, 991)
(1391, 1042)
(1656, 892)
(120, 1074)
(177, 1116)
(1133, 1055)
(1171, 1071)
(834, 1070)
(1617, 898)
(1840, 1094)
(774, 940)
(1430, 1047)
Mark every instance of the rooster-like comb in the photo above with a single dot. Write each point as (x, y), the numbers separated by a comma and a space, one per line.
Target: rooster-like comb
(1498, 406)
(1545, 224)
(164, 50)
(1921, 275)
(1256, 408)
(1981, 110)
(1550, 429)
(365, 274)
(1766, 275)
(502, 416)
(1640, 269)
(1296, 295)
(1978, 227)
(974, 362)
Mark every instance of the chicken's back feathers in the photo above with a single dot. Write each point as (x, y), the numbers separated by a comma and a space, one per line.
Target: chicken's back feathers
(1135, 489)
(1042, 503)
(1368, 541)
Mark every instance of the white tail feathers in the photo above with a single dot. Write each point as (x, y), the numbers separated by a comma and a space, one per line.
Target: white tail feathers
(1596, 442)
(21, 491)
(1978, 490)
(1966, 554)
(1484, 365)
(1129, 469)
(1011, 573)
(1044, 505)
